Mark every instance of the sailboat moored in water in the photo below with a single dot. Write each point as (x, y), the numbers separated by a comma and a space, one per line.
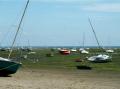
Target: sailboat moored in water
(7, 65)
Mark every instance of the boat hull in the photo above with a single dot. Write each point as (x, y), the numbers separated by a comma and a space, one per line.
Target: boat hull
(99, 60)
(64, 52)
(9, 67)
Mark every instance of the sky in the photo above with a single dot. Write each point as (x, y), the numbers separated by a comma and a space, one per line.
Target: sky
(60, 22)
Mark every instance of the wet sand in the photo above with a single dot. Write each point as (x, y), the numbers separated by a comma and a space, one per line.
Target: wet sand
(60, 79)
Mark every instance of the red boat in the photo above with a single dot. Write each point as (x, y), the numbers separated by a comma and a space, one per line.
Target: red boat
(64, 52)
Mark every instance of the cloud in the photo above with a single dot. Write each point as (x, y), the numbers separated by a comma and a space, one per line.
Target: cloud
(111, 7)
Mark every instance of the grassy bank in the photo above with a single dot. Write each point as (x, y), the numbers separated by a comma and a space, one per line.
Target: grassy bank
(40, 60)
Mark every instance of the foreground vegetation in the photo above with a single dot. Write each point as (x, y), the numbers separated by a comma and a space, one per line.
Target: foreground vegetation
(42, 59)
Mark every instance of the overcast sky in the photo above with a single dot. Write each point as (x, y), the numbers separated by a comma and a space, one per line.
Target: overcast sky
(60, 22)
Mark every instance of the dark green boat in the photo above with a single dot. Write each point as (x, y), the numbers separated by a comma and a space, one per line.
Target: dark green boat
(8, 67)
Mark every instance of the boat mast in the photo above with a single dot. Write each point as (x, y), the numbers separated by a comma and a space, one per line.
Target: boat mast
(83, 40)
(94, 33)
(18, 29)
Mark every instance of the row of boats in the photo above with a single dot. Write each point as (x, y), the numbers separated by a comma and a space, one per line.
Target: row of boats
(102, 57)
(81, 50)
(9, 66)
(96, 58)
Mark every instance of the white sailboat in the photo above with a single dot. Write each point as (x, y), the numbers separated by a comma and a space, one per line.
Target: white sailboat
(73, 50)
(109, 51)
(83, 50)
(99, 57)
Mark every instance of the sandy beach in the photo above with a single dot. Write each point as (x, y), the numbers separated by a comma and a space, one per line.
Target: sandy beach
(55, 79)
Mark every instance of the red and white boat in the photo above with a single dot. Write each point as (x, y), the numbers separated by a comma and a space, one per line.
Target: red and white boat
(64, 51)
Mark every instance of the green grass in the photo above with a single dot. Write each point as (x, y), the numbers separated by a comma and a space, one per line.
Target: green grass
(58, 61)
